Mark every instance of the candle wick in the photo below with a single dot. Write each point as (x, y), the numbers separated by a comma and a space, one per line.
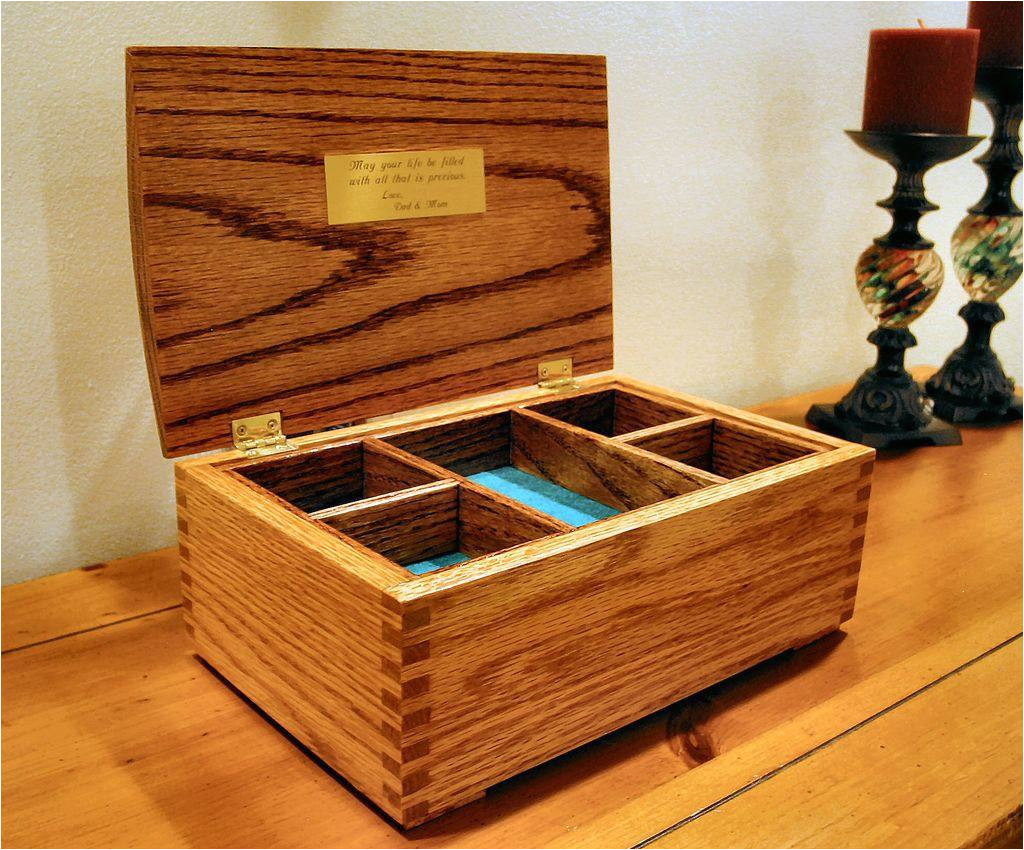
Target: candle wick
(920, 23)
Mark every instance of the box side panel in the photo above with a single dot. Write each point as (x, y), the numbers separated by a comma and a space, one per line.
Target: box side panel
(527, 664)
(284, 612)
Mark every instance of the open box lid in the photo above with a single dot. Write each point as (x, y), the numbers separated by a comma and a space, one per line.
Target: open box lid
(252, 303)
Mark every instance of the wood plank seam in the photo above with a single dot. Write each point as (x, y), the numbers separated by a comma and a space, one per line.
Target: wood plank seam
(78, 632)
(823, 745)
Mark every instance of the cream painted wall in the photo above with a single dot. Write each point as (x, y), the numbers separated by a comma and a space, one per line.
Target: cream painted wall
(732, 268)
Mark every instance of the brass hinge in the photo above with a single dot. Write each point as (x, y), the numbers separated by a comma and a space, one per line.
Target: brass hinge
(556, 375)
(259, 435)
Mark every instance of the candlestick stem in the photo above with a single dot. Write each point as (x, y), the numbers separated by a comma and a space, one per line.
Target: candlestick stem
(907, 204)
(898, 278)
(1002, 161)
(971, 386)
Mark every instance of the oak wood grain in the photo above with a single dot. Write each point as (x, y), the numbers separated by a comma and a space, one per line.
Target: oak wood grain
(689, 441)
(383, 472)
(130, 713)
(488, 524)
(436, 519)
(724, 765)
(405, 527)
(741, 449)
(908, 772)
(90, 597)
(724, 448)
(293, 616)
(680, 600)
(314, 480)
(464, 445)
(435, 761)
(616, 411)
(329, 476)
(251, 303)
(536, 518)
(611, 473)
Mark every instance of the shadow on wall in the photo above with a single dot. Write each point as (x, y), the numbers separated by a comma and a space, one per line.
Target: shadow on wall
(775, 201)
(797, 293)
(112, 467)
(118, 487)
(302, 24)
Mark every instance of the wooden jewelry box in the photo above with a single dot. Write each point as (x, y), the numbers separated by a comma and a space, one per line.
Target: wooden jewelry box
(507, 551)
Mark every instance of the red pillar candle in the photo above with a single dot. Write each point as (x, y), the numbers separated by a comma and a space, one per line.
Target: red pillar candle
(920, 80)
(1000, 26)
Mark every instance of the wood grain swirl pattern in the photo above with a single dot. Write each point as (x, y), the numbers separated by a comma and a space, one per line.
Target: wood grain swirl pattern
(250, 302)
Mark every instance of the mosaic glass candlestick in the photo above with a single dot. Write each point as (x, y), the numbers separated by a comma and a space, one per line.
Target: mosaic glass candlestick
(971, 386)
(898, 277)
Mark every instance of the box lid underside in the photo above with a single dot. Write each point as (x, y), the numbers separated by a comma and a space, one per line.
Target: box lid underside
(252, 303)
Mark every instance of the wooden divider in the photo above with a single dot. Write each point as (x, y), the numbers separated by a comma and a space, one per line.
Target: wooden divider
(405, 527)
(609, 472)
(436, 519)
(310, 480)
(405, 494)
(334, 475)
(613, 412)
(385, 473)
(740, 449)
(490, 522)
(539, 519)
(689, 441)
(465, 445)
(726, 448)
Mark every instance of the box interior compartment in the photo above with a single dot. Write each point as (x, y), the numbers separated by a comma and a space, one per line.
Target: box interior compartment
(436, 525)
(576, 477)
(614, 412)
(334, 475)
(720, 446)
(434, 495)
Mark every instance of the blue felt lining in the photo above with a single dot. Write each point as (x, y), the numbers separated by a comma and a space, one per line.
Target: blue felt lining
(531, 490)
(544, 495)
(430, 564)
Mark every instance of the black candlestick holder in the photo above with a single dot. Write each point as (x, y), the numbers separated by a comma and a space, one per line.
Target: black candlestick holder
(971, 386)
(898, 277)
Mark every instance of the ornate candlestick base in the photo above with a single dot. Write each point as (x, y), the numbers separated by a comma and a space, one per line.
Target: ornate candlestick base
(885, 408)
(898, 278)
(972, 386)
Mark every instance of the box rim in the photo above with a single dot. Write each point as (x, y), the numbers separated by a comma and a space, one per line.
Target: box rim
(412, 589)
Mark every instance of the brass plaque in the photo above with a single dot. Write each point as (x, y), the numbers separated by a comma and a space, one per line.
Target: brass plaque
(404, 184)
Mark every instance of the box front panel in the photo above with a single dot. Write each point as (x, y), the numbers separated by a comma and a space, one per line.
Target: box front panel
(527, 664)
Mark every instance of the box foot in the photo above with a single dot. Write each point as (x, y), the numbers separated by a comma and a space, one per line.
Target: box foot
(428, 810)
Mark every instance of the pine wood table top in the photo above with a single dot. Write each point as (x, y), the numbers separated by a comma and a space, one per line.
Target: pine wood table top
(904, 729)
